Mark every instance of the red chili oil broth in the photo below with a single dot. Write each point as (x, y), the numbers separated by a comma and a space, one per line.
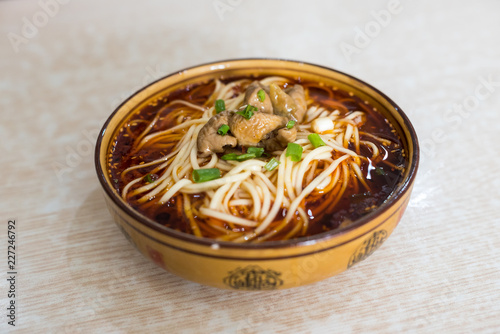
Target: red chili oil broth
(381, 178)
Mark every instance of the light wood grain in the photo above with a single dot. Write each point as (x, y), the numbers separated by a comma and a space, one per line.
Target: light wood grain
(438, 272)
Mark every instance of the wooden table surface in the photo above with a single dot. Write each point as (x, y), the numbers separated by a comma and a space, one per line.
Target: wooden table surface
(64, 67)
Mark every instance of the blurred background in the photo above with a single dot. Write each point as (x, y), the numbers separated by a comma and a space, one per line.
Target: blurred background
(66, 64)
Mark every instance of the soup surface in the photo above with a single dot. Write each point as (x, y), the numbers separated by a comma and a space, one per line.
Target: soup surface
(278, 194)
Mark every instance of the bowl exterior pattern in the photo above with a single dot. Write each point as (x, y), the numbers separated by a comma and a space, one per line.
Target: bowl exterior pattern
(267, 266)
(277, 268)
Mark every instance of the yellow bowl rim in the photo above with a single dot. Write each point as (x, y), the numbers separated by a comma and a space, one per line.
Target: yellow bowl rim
(396, 195)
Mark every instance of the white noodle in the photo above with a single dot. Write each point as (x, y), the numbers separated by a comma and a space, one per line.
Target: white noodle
(247, 185)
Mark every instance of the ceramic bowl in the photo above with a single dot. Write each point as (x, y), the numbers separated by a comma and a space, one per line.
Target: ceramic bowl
(268, 265)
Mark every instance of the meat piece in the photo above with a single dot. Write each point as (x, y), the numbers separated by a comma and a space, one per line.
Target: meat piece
(297, 94)
(286, 136)
(279, 139)
(250, 132)
(252, 98)
(209, 140)
(283, 104)
(290, 102)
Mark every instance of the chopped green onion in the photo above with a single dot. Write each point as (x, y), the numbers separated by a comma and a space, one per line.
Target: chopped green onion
(238, 157)
(223, 129)
(272, 164)
(148, 178)
(252, 152)
(379, 171)
(294, 151)
(261, 95)
(220, 105)
(204, 175)
(290, 124)
(247, 112)
(258, 151)
(316, 140)
(229, 156)
(245, 156)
